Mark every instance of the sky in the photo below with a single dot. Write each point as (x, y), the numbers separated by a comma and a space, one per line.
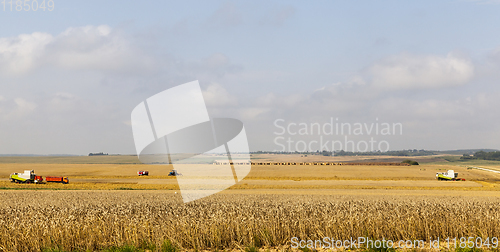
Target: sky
(70, 77)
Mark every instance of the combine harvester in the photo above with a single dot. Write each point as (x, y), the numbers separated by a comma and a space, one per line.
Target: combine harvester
(174, 173)
(450, 175)
(27, 177)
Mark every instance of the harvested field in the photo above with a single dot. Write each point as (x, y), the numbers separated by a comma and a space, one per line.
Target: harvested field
(271, 172)
(361, 172)
(124, 176)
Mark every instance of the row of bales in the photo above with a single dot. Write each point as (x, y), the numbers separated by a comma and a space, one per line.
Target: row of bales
(331, 163)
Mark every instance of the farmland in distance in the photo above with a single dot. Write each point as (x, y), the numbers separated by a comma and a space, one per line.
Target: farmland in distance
(107, 205)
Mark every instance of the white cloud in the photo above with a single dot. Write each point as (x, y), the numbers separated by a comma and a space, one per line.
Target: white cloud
(216, 95)
(252, 113)
(427, 109)
(22, 53)
(419, 72)
(271, 100)
(98, 48)
(87, 48)
(18, 108)
(24, 104)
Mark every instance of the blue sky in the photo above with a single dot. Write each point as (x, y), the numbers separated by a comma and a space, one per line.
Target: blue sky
(70, 78)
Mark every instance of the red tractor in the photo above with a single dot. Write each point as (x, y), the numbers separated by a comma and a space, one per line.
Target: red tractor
(143, 173)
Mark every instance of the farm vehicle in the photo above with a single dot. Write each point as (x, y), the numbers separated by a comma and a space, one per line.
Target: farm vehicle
(450, 175)
(63, 180)
(143, 173)
(174, 173)
(29, 177)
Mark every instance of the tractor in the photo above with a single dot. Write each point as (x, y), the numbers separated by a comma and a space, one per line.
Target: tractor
(143, 173)
(174, 173)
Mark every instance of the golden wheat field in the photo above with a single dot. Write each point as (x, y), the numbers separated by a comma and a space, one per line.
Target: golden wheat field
(92, 220)
(107, 205)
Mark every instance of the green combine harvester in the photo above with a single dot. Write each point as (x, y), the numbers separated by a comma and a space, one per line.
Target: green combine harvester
(27, 177)
(450, 175)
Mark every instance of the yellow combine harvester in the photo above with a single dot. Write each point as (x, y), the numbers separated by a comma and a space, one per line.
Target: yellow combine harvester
(26, 177)
(450, 175)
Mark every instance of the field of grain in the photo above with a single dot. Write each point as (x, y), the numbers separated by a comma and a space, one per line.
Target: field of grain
(124, 176)
(106, 205)
(92, 220)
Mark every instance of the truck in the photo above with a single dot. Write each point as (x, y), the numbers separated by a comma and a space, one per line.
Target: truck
(28, 177)
(450, 175)
(63, 180)
(143, 173)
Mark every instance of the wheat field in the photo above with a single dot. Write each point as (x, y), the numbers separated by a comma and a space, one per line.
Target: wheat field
(93, 220)
(107, 205)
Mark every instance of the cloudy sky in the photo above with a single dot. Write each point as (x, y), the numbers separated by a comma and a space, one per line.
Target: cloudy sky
(69, 78)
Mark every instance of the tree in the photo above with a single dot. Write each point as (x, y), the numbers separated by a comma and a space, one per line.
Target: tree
(408, 161)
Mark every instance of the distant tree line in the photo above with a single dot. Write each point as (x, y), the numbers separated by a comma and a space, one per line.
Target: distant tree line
(482, 155)
(98, 154)
(403, 153)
